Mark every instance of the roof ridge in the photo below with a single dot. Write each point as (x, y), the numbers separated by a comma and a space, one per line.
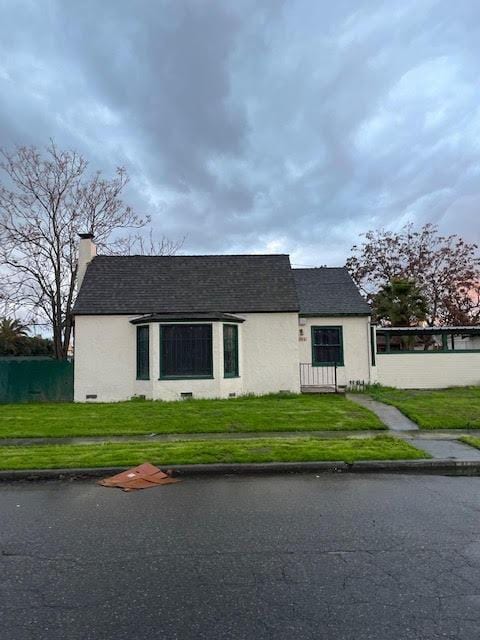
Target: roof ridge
(316, 268)
(199, 255)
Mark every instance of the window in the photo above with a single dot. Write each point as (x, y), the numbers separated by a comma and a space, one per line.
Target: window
(412, 342)
(186, 351)
(143, 352)
(422, 340)
(327, 346)
(230, 350)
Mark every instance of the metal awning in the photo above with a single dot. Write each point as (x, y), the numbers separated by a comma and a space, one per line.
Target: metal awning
(425, 331)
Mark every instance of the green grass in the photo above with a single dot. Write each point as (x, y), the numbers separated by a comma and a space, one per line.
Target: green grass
(254, 450)
(259, 413)
(454, 408)
(471, 440)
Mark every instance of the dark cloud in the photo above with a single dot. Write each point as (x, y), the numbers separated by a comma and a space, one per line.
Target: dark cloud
(258, 126)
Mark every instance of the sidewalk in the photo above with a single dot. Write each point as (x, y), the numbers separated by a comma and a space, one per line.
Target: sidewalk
(179, 437)
(446, 449)
(441, 445)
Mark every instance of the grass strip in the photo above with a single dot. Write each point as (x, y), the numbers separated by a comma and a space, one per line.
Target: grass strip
(473, 441)
(249, 414)
(195, 452)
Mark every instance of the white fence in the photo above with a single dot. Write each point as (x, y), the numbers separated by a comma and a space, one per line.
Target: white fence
(428, 370)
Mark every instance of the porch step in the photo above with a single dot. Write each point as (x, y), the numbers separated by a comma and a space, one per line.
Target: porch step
(326, 388)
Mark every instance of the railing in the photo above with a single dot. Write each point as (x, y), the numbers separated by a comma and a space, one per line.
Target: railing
(322, 376)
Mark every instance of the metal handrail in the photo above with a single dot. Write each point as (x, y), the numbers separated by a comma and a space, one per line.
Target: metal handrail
(318, 376)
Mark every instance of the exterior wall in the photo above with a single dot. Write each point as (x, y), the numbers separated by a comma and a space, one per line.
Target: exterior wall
(105, 360)
(356, 346)
(428, 370)
(270, 353)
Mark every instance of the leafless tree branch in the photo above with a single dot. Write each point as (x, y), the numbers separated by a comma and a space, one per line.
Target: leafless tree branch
(45, 201)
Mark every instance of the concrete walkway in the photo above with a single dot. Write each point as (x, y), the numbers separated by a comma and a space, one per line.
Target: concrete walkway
(179, 437)
(390, 416)
(446, 449)
(440, 445)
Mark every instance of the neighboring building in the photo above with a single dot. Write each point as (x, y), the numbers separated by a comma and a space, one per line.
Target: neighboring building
(165, 327)
(428, 357)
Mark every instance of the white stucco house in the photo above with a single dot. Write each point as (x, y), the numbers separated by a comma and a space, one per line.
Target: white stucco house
(217, 326)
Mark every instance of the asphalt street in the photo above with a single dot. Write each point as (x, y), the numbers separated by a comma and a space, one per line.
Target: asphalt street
(337, 557)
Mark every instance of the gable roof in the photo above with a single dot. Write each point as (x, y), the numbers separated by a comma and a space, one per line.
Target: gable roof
(328, 291)
(172, 284)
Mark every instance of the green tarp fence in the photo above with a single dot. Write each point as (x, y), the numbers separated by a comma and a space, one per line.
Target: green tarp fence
(35, 380)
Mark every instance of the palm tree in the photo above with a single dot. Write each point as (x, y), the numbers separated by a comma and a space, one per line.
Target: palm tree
(400, 303)
(12, 334)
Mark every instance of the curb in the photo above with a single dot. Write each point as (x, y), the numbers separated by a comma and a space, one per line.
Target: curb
(435, 467)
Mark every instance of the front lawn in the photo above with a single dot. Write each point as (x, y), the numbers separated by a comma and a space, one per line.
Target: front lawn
(257, 413)
(454, 408)
(207, 451)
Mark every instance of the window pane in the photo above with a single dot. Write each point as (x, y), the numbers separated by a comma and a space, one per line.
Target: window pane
(230, 350)
(414, 342)
(327, 354)
(463, 342)
(186, 350)
(143, 353)
(329, 336)
(327, 345)
(381, 343)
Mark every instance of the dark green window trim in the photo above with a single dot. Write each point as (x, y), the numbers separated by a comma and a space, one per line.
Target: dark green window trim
(315, 343)
(441, 351)
(143, 352)
(230, 351)
(186, 378)
(373, 345)
(183, 346)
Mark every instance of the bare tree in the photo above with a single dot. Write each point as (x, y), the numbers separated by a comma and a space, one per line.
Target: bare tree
(45, 201)
(137, 244)
(445, 268)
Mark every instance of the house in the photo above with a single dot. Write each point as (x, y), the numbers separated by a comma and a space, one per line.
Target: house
(334, 328)
(217, 326)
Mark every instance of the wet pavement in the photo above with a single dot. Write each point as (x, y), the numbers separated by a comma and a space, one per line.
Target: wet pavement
(344, 557)
(446, 449)
(394, 419)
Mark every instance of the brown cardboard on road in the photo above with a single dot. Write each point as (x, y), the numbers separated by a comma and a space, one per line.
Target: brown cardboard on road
(144, 476)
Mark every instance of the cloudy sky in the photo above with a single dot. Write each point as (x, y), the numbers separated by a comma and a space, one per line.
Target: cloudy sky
(258, 125)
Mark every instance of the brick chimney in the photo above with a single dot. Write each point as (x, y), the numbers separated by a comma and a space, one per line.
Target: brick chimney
(87, 250)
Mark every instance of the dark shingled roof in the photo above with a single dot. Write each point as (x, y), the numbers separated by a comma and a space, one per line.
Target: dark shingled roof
(328, 291)
(167, 284)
